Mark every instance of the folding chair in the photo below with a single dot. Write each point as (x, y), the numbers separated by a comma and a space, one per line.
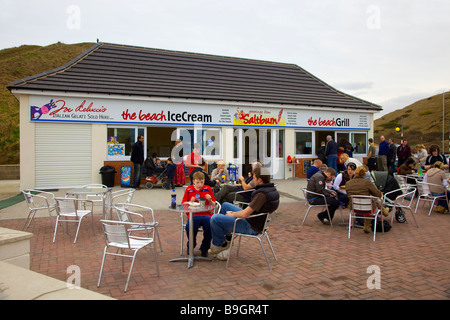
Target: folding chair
(67, 208)
(402, 201)
(217, 208)
(362, 208)
(309, 194)
(117, 236)
(426, 195)
(41, 201)
(260, 237)
(126, 212)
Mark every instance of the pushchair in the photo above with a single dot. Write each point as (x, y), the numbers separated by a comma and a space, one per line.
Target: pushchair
(387, 183)
(155, 175)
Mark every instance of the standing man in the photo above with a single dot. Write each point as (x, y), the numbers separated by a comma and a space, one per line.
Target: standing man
(331, 151)
(403, 152)
(392, 155)
(137, 157)
(371, 156)
(383, 151)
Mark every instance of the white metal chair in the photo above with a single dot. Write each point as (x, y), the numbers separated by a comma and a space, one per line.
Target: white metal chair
(310, 195)
(362, 208)
(241, 203)
(217, 208)
(117, 236)
(38, 200)
(425, 195)
(402, 201)
(67, 211)
(260, 237)
(127, 212)
(120, 196)
(96, 199)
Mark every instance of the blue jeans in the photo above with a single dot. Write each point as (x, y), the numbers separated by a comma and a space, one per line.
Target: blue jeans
(137, 174)
(204, 222)
(441, 201)
(222, 225)
(332, 161)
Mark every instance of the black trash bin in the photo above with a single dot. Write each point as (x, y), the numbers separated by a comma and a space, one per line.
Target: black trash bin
(108, 173)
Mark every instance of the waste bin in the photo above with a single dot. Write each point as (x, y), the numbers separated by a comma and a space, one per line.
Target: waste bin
(108, 173)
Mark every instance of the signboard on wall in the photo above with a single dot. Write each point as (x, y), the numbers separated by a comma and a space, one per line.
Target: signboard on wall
(116, 111)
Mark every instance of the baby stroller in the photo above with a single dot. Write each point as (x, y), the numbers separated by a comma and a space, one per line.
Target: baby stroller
(387, 183)
(155, 175)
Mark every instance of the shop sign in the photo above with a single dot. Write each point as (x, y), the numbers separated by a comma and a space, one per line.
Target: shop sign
(116, 111)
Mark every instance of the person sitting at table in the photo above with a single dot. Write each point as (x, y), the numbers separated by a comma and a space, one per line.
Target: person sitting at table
(218, 174)
(407, 167)
(265, 199)
(193, 193)
(201, 167)
(346, 160)
(228, 192)
(436, 176)
(340, 181)
(359, 186)
(313, 169)
(434, 156)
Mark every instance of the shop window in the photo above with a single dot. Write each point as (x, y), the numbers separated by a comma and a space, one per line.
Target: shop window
(120, 142)
(303, 143)
(359, 143)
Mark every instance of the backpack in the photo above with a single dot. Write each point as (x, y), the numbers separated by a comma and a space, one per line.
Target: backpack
(387, 225)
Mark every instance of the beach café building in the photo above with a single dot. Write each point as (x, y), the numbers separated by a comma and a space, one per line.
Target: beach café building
(88, 113)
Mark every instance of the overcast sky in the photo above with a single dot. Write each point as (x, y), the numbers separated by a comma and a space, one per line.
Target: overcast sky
(389, 52)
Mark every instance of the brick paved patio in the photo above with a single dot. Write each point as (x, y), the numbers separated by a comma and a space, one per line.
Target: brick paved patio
(315, 261)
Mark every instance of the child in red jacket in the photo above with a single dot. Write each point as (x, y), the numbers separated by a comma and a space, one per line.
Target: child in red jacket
(193, 193)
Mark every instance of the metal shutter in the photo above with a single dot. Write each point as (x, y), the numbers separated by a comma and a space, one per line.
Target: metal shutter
(63, 155)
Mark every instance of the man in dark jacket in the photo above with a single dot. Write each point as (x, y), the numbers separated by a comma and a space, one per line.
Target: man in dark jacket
(331, 151)
(137, 157)
(317, 184)
(265, 199)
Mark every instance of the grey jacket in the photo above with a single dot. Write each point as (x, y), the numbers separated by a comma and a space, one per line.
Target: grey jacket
(317, 183)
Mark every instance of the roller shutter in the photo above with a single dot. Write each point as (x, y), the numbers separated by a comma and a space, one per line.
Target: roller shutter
(63, 155)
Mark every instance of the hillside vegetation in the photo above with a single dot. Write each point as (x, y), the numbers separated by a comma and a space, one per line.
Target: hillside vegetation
(18, 63)
(422, 123)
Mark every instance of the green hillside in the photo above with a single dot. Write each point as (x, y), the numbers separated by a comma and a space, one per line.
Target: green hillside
(422, 123)
(18, 63)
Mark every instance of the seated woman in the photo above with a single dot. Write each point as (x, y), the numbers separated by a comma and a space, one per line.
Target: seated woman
(359, 186)
(340, 181)
(436, 176)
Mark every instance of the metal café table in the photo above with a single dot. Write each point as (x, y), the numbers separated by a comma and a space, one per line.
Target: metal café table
(186, 208)
(104, 193)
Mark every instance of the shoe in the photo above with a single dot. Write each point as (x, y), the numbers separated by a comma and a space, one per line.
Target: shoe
(217, 249)
(367, 226)
(223, 256)
(385, 211)
(326, 221)
(439, 209)
(204, 253)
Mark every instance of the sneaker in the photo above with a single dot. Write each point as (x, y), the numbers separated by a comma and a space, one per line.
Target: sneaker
(217, 249)
(326, 221)
(223, 256)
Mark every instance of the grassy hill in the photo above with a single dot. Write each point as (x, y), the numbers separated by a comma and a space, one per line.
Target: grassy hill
(18, 63)
(422, 123)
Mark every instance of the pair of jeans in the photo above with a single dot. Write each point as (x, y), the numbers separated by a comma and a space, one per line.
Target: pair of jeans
(222, 225)
(332, 161)
(441, 201)
(137, 174)
(204, 222)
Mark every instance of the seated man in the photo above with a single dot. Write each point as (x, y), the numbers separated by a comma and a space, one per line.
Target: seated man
(228, 192)
(317, 184)
(193, 193)
(265, 199)
(313, 169)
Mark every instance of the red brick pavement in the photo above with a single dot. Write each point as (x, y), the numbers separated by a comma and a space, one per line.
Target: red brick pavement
(315, 261)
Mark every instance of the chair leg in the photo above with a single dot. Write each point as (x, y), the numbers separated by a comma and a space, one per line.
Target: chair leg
(101, 268)
(271, 248)
(306, 214)
(131, 269)
(30, 217)
(78, 229)
(56, 228)
(265, 254)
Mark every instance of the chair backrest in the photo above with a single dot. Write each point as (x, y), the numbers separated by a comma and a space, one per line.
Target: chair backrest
(423, 188)
(38, 198)
(125, 196)
(401, 179)
(126, 212)
(362, 204)
(407, 196)
(65, 205)
(115, 233)
(217, 207)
